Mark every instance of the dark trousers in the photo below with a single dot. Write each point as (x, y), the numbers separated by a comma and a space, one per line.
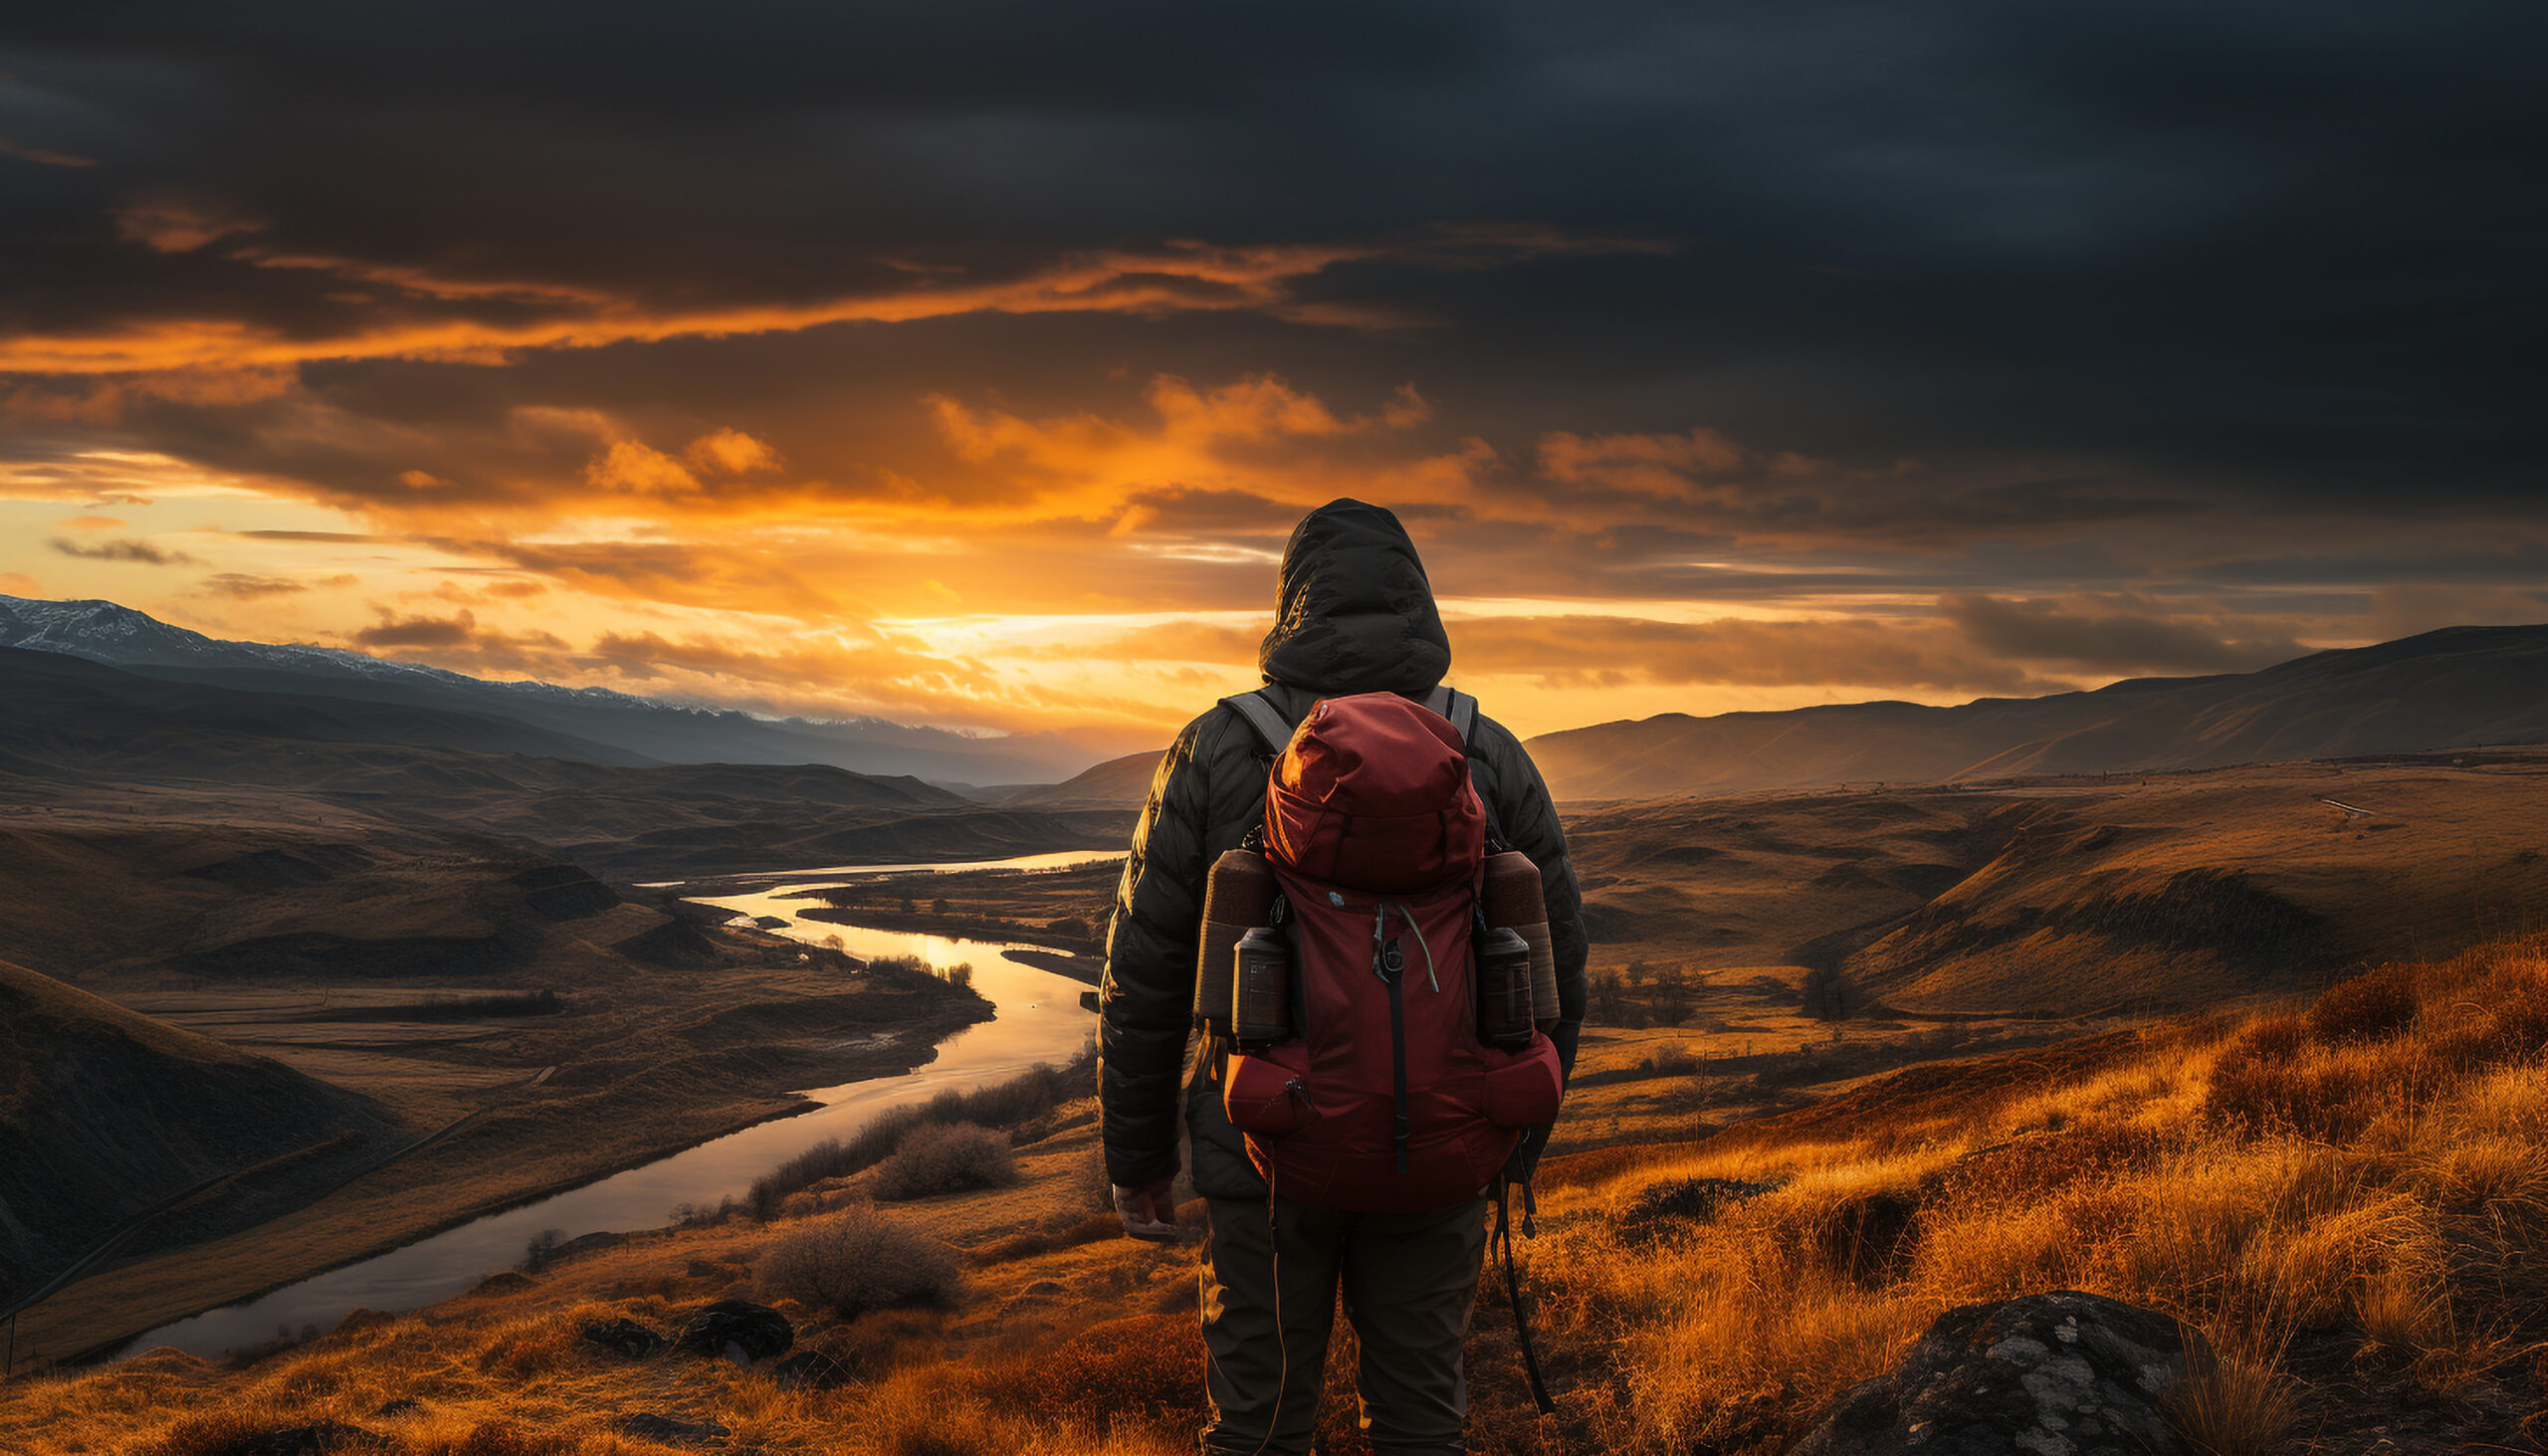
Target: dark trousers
(1408, 1280)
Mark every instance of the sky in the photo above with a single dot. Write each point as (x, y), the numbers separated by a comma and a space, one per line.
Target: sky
(970, 363)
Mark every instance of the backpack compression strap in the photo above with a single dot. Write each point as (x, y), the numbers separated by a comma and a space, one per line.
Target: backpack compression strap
(1459, 706)
(1274, 726)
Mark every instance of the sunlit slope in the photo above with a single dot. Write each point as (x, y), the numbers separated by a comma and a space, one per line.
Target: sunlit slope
(2185, 890)
(2462, 686)
(1124, 782)
(105, 1112)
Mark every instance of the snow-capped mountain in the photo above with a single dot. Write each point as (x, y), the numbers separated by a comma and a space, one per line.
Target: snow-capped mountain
(672, 733)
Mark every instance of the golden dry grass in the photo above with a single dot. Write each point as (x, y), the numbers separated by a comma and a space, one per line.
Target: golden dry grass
(2369, 1175)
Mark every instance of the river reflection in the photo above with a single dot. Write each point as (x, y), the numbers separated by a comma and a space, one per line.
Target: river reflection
(1039, 1019)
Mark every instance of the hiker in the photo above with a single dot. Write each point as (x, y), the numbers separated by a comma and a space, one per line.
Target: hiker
(1355, 615)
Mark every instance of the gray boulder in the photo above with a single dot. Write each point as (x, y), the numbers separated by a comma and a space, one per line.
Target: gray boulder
(656, 1427)
(737, 1329)
(2049, 1374)
(811, 1370)
(325, 1438)
(625, 1337)
(1678, 1205)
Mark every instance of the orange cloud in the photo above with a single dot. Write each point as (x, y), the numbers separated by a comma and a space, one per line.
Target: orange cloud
(639, 468)
(93, 400)
(729, 452)
(1259, 438)
(90, 522)
(169, 226)
(43, 156)
(1182, 276)
(423, 283)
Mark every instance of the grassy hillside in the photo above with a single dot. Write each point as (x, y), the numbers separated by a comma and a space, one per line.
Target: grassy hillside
(2349, 1201)
(105, 1113)
(2078, 896)
(1118, 783)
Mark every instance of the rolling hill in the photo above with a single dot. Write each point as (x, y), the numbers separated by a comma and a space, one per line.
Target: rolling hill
(2457, 686)
(105, 1112)
(77, 729)
(612, 726)
(1118, 783)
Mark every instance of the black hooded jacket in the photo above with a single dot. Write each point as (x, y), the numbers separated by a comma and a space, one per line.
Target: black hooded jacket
(1355, 614)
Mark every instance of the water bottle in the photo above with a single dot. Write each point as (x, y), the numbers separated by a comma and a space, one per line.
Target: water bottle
(1261, 987)
(1503, 988)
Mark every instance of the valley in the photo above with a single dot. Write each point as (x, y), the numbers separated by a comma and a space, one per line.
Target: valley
(304, 984)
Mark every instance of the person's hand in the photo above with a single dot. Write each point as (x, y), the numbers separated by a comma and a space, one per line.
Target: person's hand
(1149, 1212)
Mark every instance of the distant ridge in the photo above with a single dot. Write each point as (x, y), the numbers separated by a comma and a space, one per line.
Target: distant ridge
(2459, 686)
(624, 727)
(1113, 783)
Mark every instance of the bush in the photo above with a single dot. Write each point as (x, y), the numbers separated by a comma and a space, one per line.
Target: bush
(1022, 1098)
(942, 1158)
(857, 1261)
(542, 1248)
(2368, 1007)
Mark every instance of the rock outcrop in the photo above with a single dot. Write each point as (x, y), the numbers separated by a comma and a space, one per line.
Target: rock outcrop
(810, 1369)
(625, 1337)
(654, 1427)
(1678, 1205)
(2048, 1374)
(737, 1329)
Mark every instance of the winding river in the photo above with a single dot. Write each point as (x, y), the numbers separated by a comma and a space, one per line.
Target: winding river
(1039, 1019)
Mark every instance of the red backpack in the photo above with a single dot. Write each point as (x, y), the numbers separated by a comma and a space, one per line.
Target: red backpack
(1386, 1099)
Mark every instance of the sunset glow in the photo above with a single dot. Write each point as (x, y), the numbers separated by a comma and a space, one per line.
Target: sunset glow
(983, 461)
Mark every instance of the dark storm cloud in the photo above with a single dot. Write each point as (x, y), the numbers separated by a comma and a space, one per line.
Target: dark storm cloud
(2277, 250)
(1962, 309)
(2109, 641)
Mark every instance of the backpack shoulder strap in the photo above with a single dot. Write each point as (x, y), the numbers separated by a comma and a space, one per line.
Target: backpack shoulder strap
(1459, 707)
(1273, 726)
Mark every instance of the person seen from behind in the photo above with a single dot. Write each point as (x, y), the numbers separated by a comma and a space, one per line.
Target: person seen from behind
(1395, 1074)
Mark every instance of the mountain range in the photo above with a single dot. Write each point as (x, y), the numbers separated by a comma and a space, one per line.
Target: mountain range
(610, 726)
(2459, 686)
(2452, 687)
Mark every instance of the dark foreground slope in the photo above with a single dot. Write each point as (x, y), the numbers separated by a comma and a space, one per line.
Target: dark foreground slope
(2459, 686)
(105, 1113)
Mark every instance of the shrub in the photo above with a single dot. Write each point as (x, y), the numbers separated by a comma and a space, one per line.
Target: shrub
(1672, 1061)
(858, 1261)
(942, 1158)
(1024, 1097)
(542, 1248)
(2372, 1005)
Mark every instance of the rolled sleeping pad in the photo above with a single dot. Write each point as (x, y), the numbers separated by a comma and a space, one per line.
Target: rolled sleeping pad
(1238, 895)
(1515, 901)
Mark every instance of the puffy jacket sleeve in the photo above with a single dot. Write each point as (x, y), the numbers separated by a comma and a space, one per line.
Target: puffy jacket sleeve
(1527, 815)
(1145, 1007)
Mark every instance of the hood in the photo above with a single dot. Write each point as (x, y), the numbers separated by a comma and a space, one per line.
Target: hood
(1354, 611)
